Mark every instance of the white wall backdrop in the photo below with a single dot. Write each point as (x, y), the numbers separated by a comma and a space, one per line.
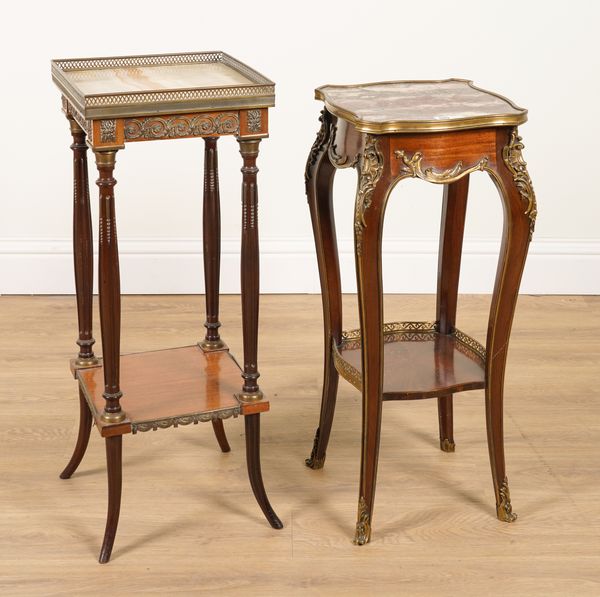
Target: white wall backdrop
(544, 56)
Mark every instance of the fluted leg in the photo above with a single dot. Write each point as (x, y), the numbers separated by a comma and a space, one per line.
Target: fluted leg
(373, 186)
(252, 424)
(114, 468)
(211, 223)
(250, 270)
(83, 258)
(516, 190)
(319, 186)
(109, 289)
(85, 427)
(451, 239)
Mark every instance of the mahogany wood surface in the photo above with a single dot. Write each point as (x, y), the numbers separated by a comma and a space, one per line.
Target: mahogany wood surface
(370, 311)
(109, 284)
(319, 177)
(83, 255)
(516, 235)
(174, 387)
(168, 383)
(418, 369)
(211, 243)
(83, 437)
(250, 268)
(114, 455)
(454, 210)
(424, 368)
(252, 427)
(219, 430)
(444, 150)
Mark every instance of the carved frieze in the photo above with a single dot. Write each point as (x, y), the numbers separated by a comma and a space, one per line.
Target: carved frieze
(200, 125)
(254, 121)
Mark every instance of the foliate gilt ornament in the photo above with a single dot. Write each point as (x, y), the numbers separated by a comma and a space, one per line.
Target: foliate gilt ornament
(370, 169)
(108, 131)
(363, 524)
(322, 139)
(513, 158)
(254, 121)
(411, 167)
(504, 508)
(314, 462)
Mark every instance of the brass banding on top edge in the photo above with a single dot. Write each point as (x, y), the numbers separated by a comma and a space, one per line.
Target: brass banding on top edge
(424, 126)
(258, 93)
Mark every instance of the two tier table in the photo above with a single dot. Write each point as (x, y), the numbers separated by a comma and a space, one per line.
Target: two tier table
(440, 132)
(110, 103)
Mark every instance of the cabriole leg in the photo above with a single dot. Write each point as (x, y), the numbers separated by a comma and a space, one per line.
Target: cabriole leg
(513, 182)
(451, 239)
(373, 187)
(319, 186)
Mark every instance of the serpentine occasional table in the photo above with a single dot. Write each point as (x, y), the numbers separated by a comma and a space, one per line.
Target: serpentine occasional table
(111, 102)
(439, 132)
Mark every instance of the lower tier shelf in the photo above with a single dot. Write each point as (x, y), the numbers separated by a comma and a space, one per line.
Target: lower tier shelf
(168, 388)
(419, 362)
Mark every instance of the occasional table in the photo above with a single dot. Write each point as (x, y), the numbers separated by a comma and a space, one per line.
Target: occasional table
(110, 103)
(440, 132)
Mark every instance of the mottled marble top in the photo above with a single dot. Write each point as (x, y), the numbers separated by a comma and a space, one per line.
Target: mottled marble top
(160, 83)
(413, 106)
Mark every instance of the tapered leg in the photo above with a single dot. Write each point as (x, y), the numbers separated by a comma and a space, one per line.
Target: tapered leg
(373, 187)
(82, 247)
(319, 185)
(85, 426)
(514, 184)
(451, 239)
(211, 222)
(114, 447)
(252, 423)
(250, 270)
(219, 430)
(109, 289)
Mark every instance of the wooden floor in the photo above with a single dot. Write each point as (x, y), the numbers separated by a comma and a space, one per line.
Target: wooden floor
(189, 524)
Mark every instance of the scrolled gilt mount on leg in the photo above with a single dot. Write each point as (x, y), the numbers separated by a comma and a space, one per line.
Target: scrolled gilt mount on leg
(513, 158)
(363, 524)
(504, 508)
(370, 170)
(322, 139)
(312, 461)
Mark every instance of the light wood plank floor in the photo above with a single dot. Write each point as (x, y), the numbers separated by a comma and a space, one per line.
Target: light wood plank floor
(190, 525)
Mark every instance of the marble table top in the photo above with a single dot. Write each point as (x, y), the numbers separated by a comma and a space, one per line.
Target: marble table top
(419, 106)
(123, 86)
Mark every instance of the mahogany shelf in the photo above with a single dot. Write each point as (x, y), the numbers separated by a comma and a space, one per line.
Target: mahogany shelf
(419, 362)
(168, 388)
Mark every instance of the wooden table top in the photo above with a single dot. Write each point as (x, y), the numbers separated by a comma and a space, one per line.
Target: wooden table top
(419, 106)
(160, 84)
(171, 387)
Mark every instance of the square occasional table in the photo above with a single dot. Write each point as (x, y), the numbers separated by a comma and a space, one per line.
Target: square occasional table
(111, 102)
